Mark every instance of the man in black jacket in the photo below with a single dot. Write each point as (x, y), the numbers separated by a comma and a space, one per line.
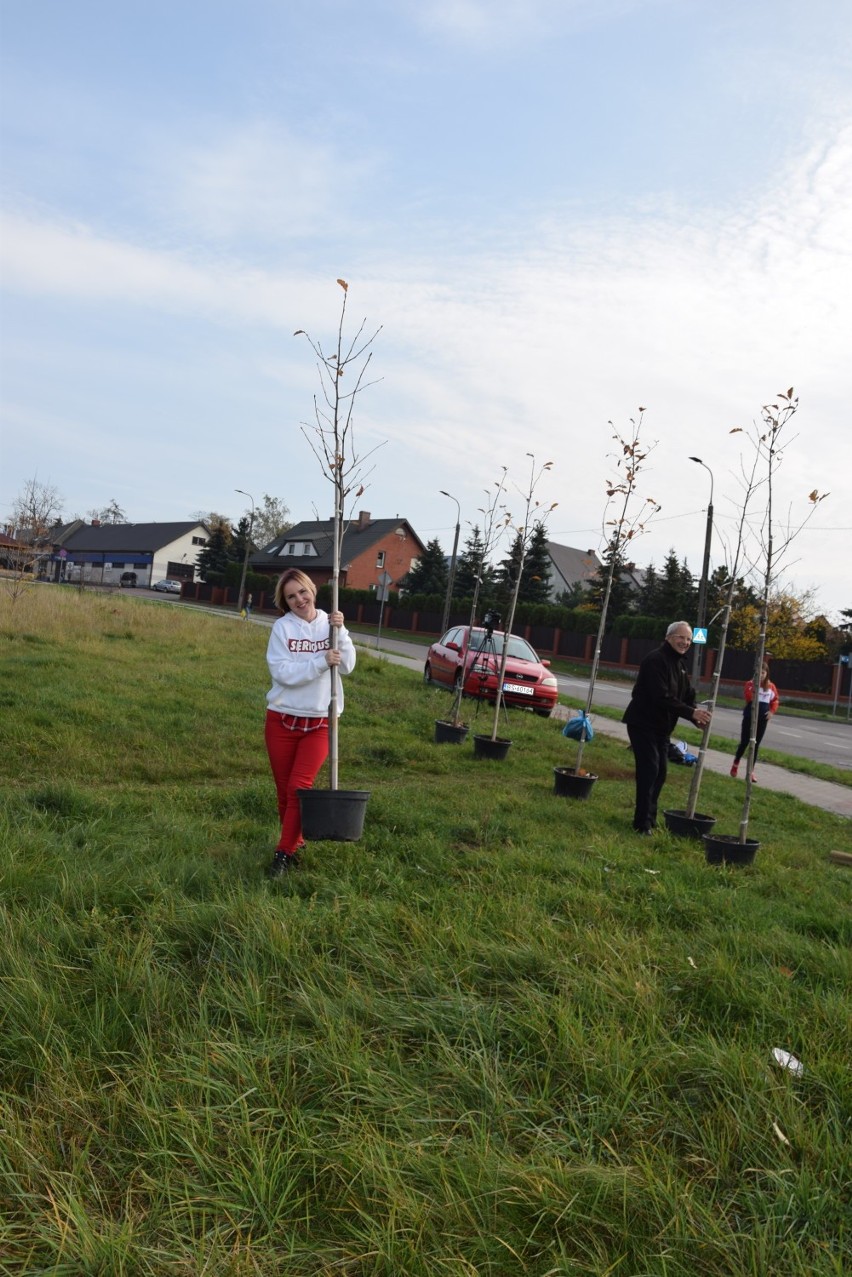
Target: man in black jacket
(661, 695)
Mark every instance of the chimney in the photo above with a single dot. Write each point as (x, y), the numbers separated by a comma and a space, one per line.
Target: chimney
(364, 520)
(96, 523)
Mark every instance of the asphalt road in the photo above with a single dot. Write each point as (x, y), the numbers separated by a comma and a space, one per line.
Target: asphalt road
(817, 739)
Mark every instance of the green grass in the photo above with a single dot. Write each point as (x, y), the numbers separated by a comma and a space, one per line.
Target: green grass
(499, 1035)
(727, 745)
(792, 762)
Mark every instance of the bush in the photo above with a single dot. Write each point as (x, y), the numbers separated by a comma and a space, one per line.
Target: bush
(633, 626)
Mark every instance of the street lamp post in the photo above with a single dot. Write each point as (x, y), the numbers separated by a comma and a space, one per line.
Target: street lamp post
(705, 570)
(452, 577)
(241, 598)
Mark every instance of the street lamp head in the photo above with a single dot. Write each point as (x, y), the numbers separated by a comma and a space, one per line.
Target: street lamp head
(699, 461)
(452, 498)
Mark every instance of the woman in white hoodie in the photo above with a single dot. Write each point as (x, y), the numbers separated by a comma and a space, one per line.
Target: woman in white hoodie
(300, 656)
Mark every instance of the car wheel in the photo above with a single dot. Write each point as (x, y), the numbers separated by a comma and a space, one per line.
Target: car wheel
(458, 681)
(543, 713)
(427, 673)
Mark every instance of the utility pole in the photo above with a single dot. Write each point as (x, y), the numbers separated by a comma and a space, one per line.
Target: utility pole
(242, 594)
(705, 570)
(452, 577)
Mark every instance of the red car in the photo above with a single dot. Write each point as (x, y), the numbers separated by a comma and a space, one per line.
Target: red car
(474, 656)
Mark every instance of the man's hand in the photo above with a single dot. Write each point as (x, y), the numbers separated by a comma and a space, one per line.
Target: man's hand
(701, 717)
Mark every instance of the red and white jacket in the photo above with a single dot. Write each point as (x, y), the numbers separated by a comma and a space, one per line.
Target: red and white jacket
(765, 695)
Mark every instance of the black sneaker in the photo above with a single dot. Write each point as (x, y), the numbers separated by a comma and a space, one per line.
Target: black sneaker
(282, 864)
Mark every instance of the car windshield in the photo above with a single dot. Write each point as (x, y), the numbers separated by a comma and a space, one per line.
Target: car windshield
(519, 648)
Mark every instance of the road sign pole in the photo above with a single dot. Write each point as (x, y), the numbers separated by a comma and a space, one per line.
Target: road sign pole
(385, 580)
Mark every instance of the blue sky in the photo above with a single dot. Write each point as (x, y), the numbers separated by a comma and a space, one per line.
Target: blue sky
(557, 210)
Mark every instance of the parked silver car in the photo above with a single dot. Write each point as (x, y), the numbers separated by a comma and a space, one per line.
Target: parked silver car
(167, 587)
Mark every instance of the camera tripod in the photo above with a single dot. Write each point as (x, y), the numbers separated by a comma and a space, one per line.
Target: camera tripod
(488, 654)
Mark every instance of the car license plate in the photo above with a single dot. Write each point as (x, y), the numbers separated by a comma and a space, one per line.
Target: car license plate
(518, 688)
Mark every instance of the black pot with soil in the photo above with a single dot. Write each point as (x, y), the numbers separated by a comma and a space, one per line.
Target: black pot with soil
(485, 747)
(333, 815)
(447, 733)
(685, 826)
(726, 849)
(569, 783)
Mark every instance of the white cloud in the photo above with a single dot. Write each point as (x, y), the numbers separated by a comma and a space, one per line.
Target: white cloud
(535, 345)
(45, 259)
(503, 23)
(262, 180)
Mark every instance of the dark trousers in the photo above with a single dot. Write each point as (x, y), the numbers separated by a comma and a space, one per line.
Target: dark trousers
(762, 721)
(650, 753)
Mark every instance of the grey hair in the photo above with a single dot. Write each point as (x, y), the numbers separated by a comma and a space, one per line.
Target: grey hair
(675, 625)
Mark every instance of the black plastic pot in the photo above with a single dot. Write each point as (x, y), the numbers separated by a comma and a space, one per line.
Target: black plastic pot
(485, 747)
(726, 849)
(447, 733)
(333, 815)
(677, 822)
(568, 784)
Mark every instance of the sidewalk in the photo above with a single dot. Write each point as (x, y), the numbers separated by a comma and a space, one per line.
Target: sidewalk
(816, 793)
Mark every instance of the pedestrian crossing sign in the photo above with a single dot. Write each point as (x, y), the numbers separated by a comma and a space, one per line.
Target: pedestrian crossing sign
(699, 636)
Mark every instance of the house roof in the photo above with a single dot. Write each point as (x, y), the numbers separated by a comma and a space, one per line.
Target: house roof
(60, 532)
(134, 537)
(573, 565)
(9, 543)
(634, 577)
(358, 539)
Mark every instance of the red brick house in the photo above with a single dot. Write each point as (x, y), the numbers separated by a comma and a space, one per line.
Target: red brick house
(370, 548)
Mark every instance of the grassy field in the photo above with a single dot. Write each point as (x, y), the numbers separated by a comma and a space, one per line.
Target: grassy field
(499, 1036)
(725, 744)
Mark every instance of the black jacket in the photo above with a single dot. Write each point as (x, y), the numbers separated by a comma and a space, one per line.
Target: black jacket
(662, 692)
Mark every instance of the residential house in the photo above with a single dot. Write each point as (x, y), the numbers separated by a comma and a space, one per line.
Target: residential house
(16, 556)
(570, 567)
(371, 549)
(101, 552)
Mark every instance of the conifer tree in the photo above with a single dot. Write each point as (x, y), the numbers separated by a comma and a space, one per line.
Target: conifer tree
(535, 574)
(621, 596)
(468, 566)
(676, 594)
(429, 574)
(215, 556)
(649, 594)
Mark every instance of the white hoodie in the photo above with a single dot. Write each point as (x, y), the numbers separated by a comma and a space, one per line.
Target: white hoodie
(301, 679)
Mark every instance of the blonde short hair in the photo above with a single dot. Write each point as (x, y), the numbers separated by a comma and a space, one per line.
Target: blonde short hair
(292, 574)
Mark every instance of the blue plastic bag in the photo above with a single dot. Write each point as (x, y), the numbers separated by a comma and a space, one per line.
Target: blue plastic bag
(679, 752)
(579, 728)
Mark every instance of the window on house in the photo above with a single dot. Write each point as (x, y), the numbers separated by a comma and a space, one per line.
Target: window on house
(380, 559)
(199, 541)
(297, 547)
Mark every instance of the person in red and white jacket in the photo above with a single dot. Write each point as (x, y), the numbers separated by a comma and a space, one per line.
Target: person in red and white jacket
(767, 703)
(300, 656)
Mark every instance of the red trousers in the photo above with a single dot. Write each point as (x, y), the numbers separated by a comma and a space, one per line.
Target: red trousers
(297, 749)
